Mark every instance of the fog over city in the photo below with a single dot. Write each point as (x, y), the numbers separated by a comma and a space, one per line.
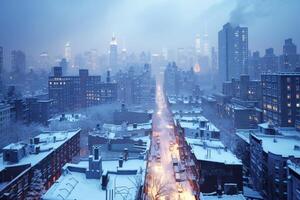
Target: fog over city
(38, 26)
(149, 100)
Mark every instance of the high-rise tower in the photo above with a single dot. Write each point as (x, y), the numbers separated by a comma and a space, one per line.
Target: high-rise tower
(113, 53)
(68, 52)
(233, 51)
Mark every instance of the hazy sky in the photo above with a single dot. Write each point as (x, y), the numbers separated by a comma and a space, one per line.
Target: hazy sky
(46, 25)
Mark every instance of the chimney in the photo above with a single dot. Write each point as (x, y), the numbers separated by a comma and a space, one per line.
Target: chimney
(96, 153)
(121, 161)
(126, 154)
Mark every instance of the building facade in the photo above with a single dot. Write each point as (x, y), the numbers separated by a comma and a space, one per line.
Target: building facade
(233, 51)
(46, 154)
(268, 163)
(75, 92)
(281, 98)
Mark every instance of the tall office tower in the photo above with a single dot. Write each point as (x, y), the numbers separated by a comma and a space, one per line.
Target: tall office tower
(64, 65)
(44, 60)
(281, 98)
(233, 51)
(1, 69)
(171, 79)
(124, 56)
(214, 60)
(255, 65)
(290, 60)
(68, 52)
(198, 45)
(18, 63)
(92, 59)
(205, 45)
(1, 60)
(113, 53)
(270, 61)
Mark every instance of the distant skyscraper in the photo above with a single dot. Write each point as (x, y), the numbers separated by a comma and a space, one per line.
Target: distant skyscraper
(198, 45)
(1, 69)
(44, 60)
(233, 51)
(255, 65)
(68, 52)
(18, 63)
(124, 56)
(64, 65)
(290, 60)
(1, 60)
(113, 53)
(270, 61)
(214, 60)
(205, 45)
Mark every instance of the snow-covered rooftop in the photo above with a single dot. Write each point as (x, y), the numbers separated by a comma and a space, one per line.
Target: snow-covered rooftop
(47, 145)
(294, 166)
(68, 117)
(212, 150)
(223, 197)
(280, 145)
(124, 185)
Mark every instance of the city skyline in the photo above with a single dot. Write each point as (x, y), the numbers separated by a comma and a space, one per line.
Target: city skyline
(140, 25)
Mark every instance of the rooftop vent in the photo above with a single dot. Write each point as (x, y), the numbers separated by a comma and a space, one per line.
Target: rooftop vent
(297, 147)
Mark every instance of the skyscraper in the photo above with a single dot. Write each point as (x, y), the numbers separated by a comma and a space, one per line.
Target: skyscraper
(64, 65)
(113, 53)
(270, 61)
(233, 51)
(205, 45)
(1, 60)
(198, 45)
(214, 60)
(1, 69)
(68, 52)
(18, 62)
(290, 60)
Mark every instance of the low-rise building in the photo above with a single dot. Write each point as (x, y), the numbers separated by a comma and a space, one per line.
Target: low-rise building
(268, 163)
(293, 176)
(197, 126)
(5, 119)
(26, 170)
(75, 92)
(216, 164)
(98, 178)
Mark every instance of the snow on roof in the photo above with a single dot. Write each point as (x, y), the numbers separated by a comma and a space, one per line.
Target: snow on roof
(250, 193)
(223, 197)
(280, 145)
(188, 118)
(212, 150)
(245, 133)
(294, 166)
(15, 146)
(140, 126)
(68, 117)
(84, 188)
(288, 131)
(47, 146)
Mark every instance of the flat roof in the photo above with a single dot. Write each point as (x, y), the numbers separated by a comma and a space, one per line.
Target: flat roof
(83, 188)
(46, 147)
(212, 150)
(280, 145)
(223, 197)
(294, 166)
(75, 117)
